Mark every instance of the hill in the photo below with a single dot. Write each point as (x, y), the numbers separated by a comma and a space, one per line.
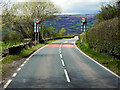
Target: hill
(70, 22)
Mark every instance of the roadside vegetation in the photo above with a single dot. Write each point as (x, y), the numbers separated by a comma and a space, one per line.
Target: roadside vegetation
(102, 41)
(18, 26)
(9, 59)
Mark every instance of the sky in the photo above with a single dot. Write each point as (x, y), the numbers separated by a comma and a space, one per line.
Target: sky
(80, 6)
(75, 6)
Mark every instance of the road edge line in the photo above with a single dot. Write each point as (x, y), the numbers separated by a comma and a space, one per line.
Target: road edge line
(9, 81)
(96, 62)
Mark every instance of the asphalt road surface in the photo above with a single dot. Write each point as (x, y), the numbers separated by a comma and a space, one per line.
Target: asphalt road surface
(61, 65)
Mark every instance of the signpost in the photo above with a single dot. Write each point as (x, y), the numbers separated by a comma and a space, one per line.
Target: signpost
(83, 27)
(36, 28)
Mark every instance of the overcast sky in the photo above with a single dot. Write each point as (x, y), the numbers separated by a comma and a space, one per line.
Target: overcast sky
(80, 6)
(75, 6)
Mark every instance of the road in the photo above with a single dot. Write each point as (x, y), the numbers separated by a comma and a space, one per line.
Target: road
(61, 65)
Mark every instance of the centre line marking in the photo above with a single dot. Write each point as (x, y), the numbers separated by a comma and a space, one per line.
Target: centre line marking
(9, 81)
(66, 74)
(14, 74)
(61, 55)
(59, 51)
(63, 63)
(59, 48)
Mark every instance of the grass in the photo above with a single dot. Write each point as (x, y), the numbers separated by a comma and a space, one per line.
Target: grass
(9, 58)
(6, 45)
(107, 61)
(25, 53)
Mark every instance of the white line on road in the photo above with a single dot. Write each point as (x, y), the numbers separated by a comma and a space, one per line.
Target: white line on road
(14, 74)
(62, 62)
(59, 48)
(27, 59)
(66, 74)
(59, 51)
(97, 62)
(22, 65)
(61, 55)
(25, 62)
(8, 82)
(18, 69)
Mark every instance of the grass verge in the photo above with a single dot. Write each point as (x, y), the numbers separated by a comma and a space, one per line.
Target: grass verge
(9, 59)
(107, 61)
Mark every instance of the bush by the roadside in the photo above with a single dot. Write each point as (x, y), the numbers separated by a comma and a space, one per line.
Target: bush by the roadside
(105, 37)
(109, 62)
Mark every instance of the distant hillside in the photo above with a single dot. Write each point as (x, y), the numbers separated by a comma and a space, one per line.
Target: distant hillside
(70, 22)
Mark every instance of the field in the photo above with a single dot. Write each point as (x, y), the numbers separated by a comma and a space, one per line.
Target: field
(71, 23)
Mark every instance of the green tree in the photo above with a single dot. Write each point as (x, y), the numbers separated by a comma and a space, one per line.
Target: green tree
(62, 32)
(5, 38)
(20, 17)
(108, 12)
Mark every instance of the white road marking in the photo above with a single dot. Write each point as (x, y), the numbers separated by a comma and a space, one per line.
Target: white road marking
(22, 65)
(67, 77)
(14, 74)
(65, 42)
(97, 62)
(25, 62)
(27, 59)
(61, 55)
(63, 63)
(59, 48)
(59, 51)
(8, 82)
(35, 52)
(18, 69)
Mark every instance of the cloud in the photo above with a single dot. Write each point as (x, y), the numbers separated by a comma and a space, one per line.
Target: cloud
(79, 6)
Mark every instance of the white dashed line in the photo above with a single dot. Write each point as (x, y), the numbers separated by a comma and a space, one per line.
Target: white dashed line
(22, 65)
(27, 59)
(9, 81)
(18, 69)
(59, 48)
(61, 55)
(59, 51)
(63, 63)
(14, 74)
(67, 77)
(25, 62)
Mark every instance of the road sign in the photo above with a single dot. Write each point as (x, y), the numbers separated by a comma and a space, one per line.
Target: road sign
(37, 20)
(83, 19)
(36, 25)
